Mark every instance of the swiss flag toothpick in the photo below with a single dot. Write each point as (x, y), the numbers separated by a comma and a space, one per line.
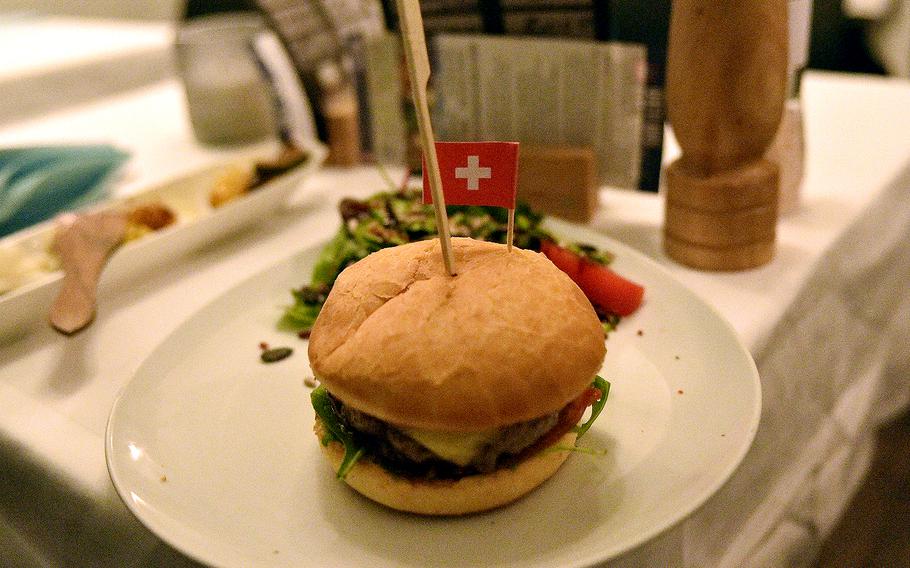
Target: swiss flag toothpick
(476, 173)
(468, 173)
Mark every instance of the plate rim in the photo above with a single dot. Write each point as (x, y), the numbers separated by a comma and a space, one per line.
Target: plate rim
(584, 561)
(754, 420)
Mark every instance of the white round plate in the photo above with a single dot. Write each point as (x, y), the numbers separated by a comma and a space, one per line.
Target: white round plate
(213, 450)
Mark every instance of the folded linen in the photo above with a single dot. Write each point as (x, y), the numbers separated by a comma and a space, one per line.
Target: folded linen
(38, 182)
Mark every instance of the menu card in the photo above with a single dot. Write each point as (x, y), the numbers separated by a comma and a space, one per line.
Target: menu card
(544, 91)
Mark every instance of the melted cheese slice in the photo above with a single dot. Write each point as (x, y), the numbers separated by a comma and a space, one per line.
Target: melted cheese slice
(456, 447)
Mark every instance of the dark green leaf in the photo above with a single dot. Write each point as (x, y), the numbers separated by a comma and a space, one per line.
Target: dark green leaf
(331, 259)
(604, 387)
(299, 316)
(322, 404)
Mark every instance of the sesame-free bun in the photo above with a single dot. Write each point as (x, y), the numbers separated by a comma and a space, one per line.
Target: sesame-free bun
(508, 339)
(470, 494)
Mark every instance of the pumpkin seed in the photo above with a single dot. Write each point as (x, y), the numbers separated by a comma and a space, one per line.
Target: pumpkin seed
(276, 354)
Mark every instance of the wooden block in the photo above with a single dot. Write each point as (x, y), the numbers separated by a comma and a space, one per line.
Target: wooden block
(559, 180)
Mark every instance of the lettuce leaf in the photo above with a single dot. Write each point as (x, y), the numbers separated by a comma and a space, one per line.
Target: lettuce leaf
(335, 431)
(299, 316)
(604, 387)
(335, 256)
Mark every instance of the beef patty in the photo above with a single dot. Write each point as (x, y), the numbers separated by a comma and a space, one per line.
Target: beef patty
(396, 451)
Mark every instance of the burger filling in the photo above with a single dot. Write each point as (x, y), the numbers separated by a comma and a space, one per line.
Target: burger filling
(428, 454)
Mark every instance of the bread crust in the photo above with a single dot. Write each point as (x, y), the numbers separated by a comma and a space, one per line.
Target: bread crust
(471, 494)
(509, 339)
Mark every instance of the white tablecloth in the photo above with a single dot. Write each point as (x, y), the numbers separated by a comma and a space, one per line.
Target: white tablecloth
(827, 322)
(51, 62)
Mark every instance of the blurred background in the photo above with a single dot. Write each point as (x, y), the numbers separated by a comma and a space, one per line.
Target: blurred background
(848, 35)
(331, 69)
(57, 53)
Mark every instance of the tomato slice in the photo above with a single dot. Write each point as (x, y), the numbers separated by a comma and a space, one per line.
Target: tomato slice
(563, 258)
(601, 285)
(609, 290)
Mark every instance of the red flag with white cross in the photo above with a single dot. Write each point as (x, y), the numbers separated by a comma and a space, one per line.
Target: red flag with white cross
(476, 173)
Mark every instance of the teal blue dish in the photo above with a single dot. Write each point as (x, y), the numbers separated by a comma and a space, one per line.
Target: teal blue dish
(37, 183)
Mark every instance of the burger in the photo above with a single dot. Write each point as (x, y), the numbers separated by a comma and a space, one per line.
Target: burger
(447, 395)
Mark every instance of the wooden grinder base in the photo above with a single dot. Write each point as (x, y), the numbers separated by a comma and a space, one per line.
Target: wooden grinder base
(724, 221)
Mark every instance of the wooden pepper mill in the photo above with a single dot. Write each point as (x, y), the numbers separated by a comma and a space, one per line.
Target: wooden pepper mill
(726, 85)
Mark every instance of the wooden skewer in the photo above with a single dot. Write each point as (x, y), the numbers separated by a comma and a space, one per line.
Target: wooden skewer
(510, 231)
(415, 49)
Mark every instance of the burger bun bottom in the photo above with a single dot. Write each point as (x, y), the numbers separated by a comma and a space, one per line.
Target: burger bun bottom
(471, 494)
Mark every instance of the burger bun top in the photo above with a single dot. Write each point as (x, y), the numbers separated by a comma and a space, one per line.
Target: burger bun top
(508, 339)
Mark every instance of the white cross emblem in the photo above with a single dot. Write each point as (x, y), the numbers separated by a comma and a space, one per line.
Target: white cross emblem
(473, 173)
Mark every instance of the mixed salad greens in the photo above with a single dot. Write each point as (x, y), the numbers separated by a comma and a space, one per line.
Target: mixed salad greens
(393, 218)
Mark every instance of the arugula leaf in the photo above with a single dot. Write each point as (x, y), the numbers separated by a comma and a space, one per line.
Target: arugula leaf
(604, 387)
(579, 449)
(299, 316)
(335, 430)
(335, 256)
(592, 253)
